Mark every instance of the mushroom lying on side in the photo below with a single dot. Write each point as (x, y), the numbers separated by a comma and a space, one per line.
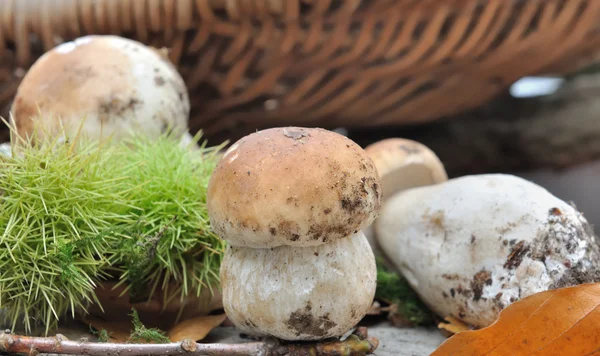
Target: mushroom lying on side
(473, 245)
(113, 84)
(403, 164)
(292, 202)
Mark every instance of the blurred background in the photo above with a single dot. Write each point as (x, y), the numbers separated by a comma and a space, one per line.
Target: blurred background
(491, 86)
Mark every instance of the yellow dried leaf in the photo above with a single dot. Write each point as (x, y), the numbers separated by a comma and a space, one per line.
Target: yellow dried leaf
(453, 325)
(196, 328)
(558, 322)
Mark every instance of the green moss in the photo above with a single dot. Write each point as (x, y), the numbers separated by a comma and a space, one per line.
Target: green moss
(141, 334)
(72, 216)
(393, 287)
(103, 335)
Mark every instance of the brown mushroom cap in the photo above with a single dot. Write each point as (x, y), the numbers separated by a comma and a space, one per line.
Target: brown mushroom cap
(403, 164)
(114, 85)
(292, 186)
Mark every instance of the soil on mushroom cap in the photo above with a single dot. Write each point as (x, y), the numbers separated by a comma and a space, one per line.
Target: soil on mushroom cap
(410, 149)
(294, 134)
(354, 201)
(115, 107)
(323, 231)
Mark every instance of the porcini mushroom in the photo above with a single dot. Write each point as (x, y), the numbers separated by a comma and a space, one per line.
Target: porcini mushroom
(292, 187)
(473, 245)
(291, 202)
(403, 164)
(113, 84)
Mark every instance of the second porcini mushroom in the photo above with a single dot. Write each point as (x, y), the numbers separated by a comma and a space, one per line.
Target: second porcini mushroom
(473, 245)
(403, 164)
(100, 86)
(292, 202)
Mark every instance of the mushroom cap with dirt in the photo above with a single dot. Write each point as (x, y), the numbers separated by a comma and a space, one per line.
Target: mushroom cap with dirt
(473, 245)
(299, 293)
(113, 84)
(292, 186)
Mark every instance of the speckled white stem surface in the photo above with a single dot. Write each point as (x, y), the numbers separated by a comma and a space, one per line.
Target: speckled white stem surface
(299, 293)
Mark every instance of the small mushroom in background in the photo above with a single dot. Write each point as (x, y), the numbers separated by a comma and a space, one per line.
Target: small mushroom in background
(292, 202)
(473, 245)
(403, 164)
(114, 85)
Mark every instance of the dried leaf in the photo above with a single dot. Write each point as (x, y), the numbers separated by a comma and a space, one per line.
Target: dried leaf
(558, 322)
(154, 313)
(196, 328)
(453, 325)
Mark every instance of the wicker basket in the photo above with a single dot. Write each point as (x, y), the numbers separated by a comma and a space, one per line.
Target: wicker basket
(258, 63)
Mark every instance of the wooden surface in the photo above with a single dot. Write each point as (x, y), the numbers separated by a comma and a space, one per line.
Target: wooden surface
(361, 63)
(392, 341)
(511, 135)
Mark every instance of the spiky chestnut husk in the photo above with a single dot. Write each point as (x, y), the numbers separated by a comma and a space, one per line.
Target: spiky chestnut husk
(172, 242)
(56, 208)
(72, 216)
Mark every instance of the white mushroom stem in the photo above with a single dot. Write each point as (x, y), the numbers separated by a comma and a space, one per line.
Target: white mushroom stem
(403, 164)
(473, 245)
(299, 293)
